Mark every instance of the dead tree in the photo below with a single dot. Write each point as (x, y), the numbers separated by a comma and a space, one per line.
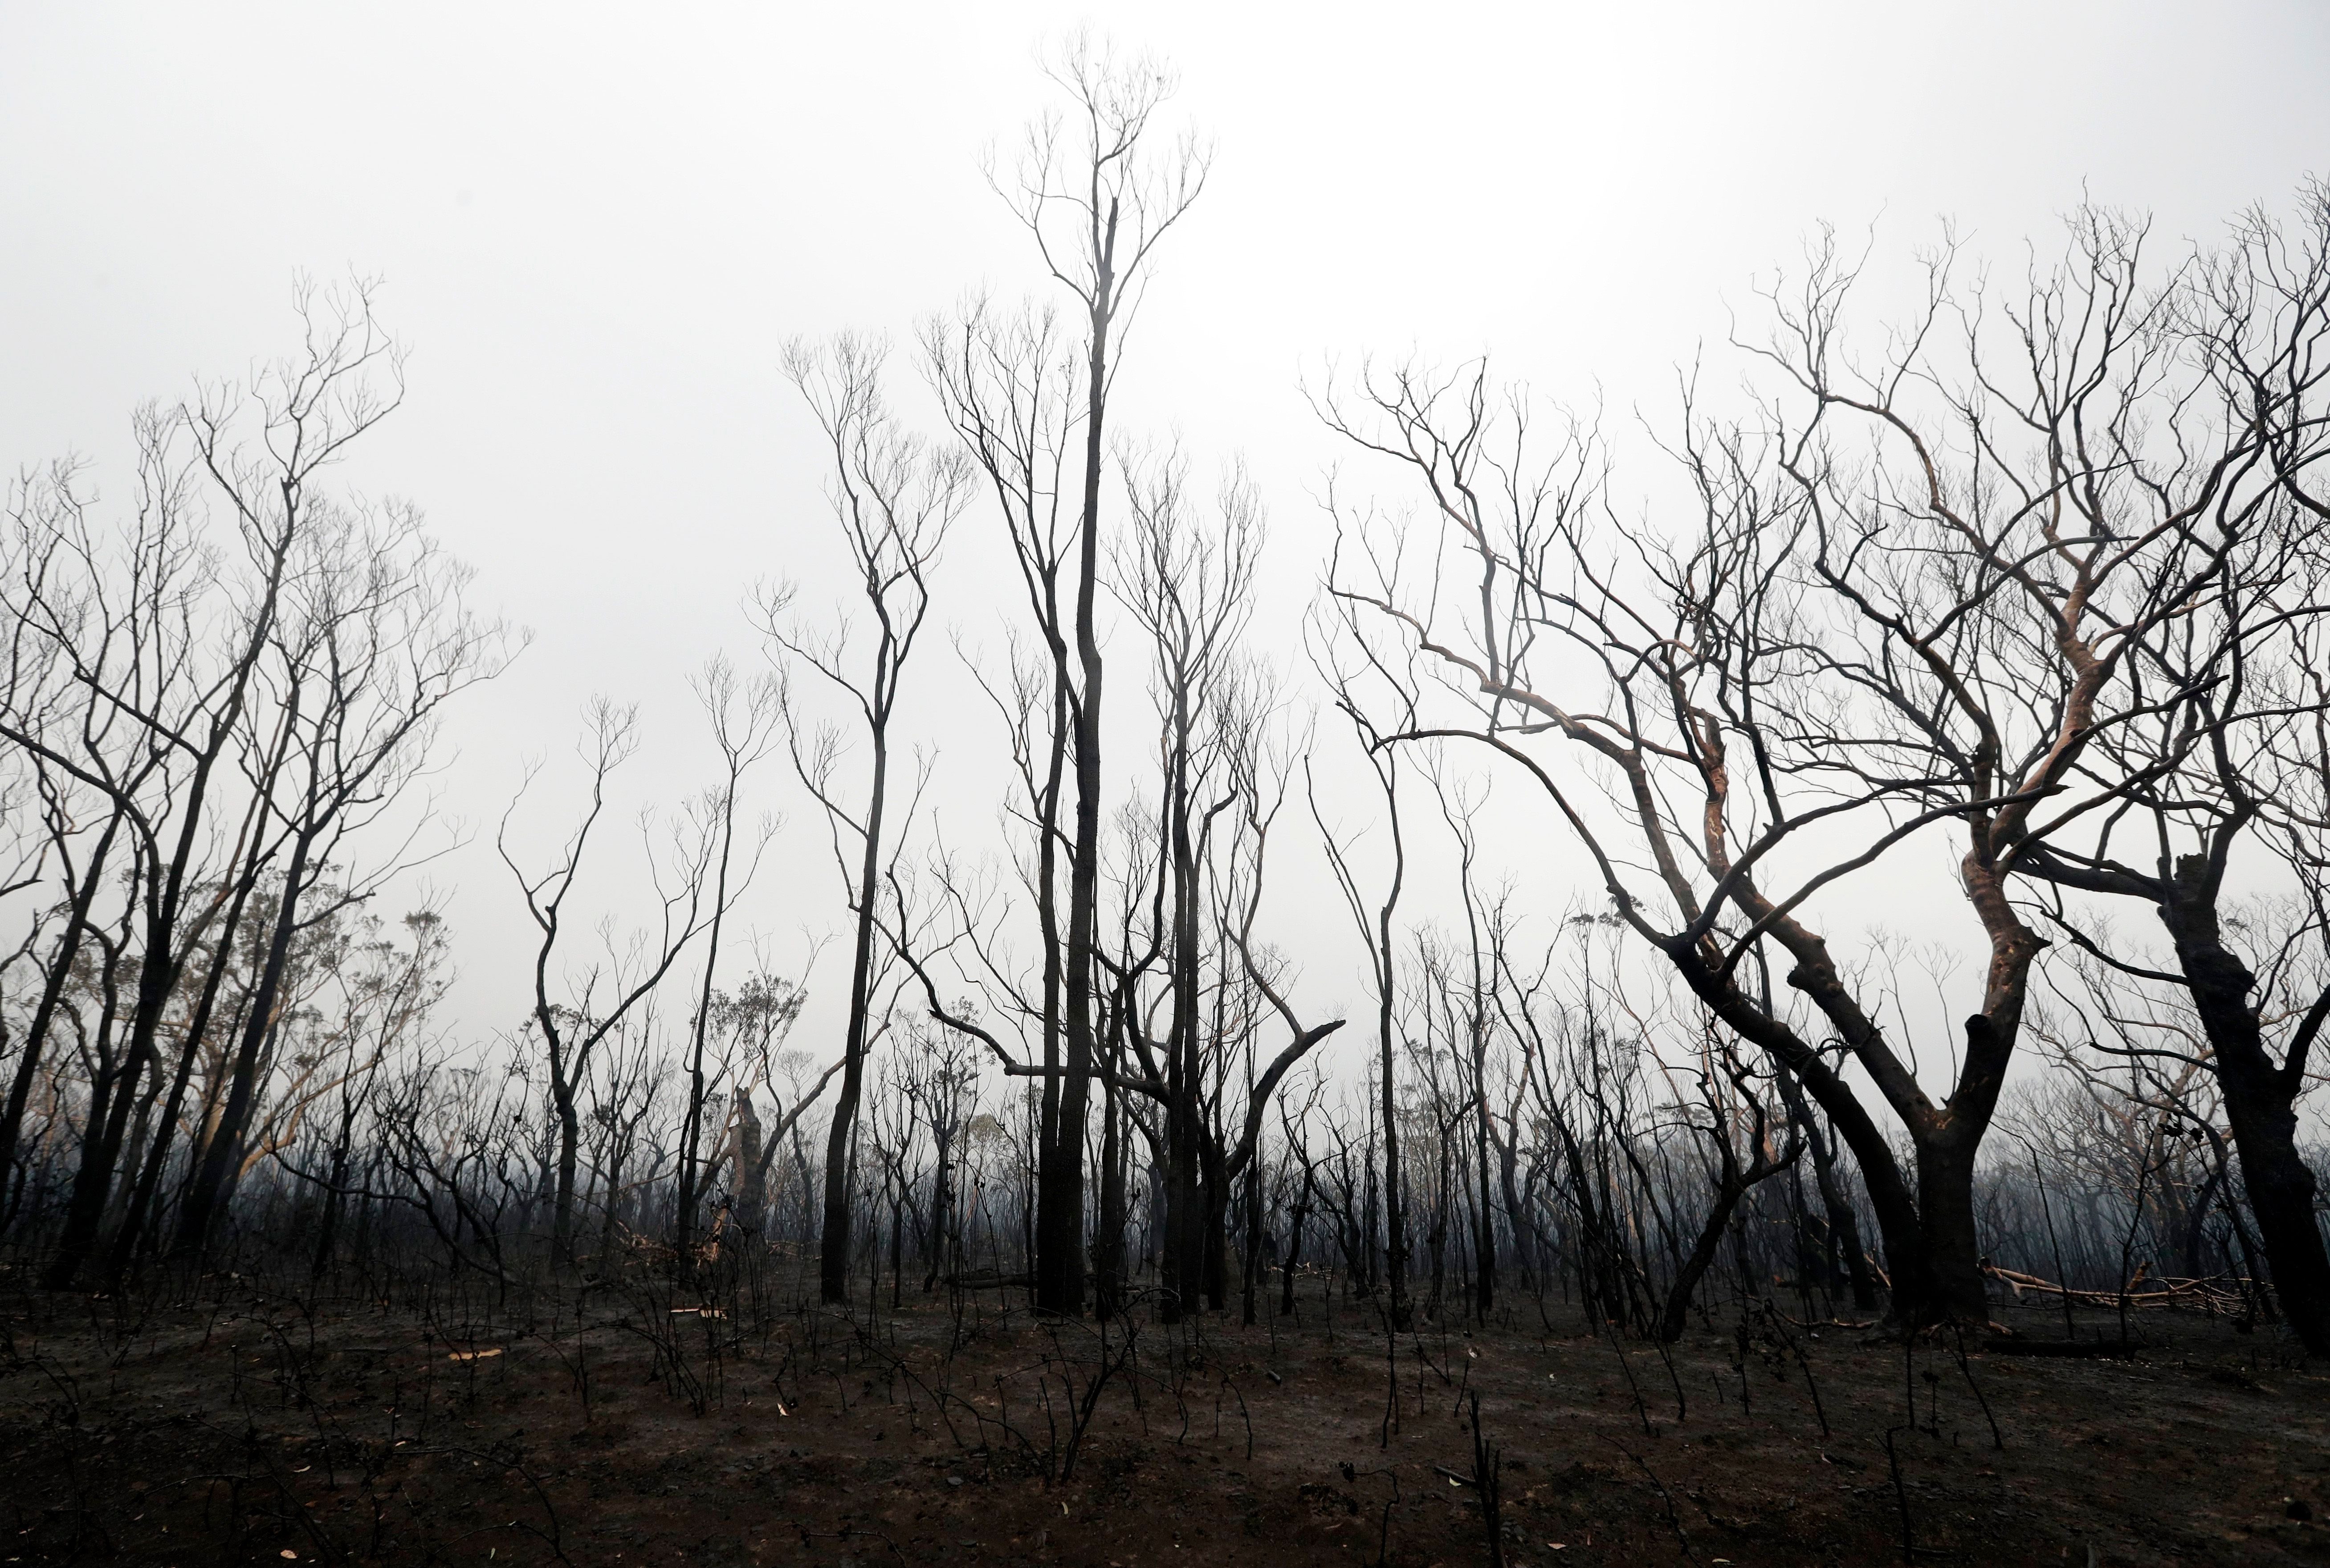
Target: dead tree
(574, 1014)
(1469, 1000)
(1374, 920)
(895, 498)
(49, 536)
(1097, 198)
(743, 727)
(1189, 587)
(752, 1024)
(1010, 386)
(1738, 1134)
(387, 997)
(2213, 514)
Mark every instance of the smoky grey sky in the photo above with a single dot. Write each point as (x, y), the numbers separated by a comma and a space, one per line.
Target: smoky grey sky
(598, 224)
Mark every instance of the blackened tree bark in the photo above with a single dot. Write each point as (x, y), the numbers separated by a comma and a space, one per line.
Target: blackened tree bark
(1843, 1237)
(1011, 388)
(1376, 923)
(1485, 921)
(1189, 586)
(1096, 199)
(895, 499)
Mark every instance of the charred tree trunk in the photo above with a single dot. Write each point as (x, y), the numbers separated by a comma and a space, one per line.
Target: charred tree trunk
(833, 1240)
(1109, 1286)
(2260, 1108)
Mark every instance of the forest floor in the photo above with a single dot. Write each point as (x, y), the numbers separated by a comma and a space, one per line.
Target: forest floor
(635, 1424)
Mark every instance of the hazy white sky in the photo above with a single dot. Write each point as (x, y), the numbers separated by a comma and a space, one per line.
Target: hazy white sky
(598, 223)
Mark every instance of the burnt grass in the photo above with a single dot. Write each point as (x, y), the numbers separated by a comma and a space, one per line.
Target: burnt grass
(647, 1419)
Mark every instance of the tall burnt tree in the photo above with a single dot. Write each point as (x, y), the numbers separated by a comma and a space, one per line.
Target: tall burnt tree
(1010, 383)
(895, 499)
(1029, 395)
(1097, 197)
(1189, 583)
(1189, 587)
(1375, 920)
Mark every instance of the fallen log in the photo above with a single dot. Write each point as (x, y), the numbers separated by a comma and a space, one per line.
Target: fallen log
(2220, 1295)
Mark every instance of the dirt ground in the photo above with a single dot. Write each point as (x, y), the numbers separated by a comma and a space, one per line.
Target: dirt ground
(251, 1426)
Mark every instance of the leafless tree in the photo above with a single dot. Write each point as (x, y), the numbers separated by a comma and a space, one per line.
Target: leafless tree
(743, 725)
(1010, 386)
(1097, 197)
(1188, 587)
(1375, 922)
(895, 498)
(2206, 499)
(1739, 1134)
(574, 1014)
